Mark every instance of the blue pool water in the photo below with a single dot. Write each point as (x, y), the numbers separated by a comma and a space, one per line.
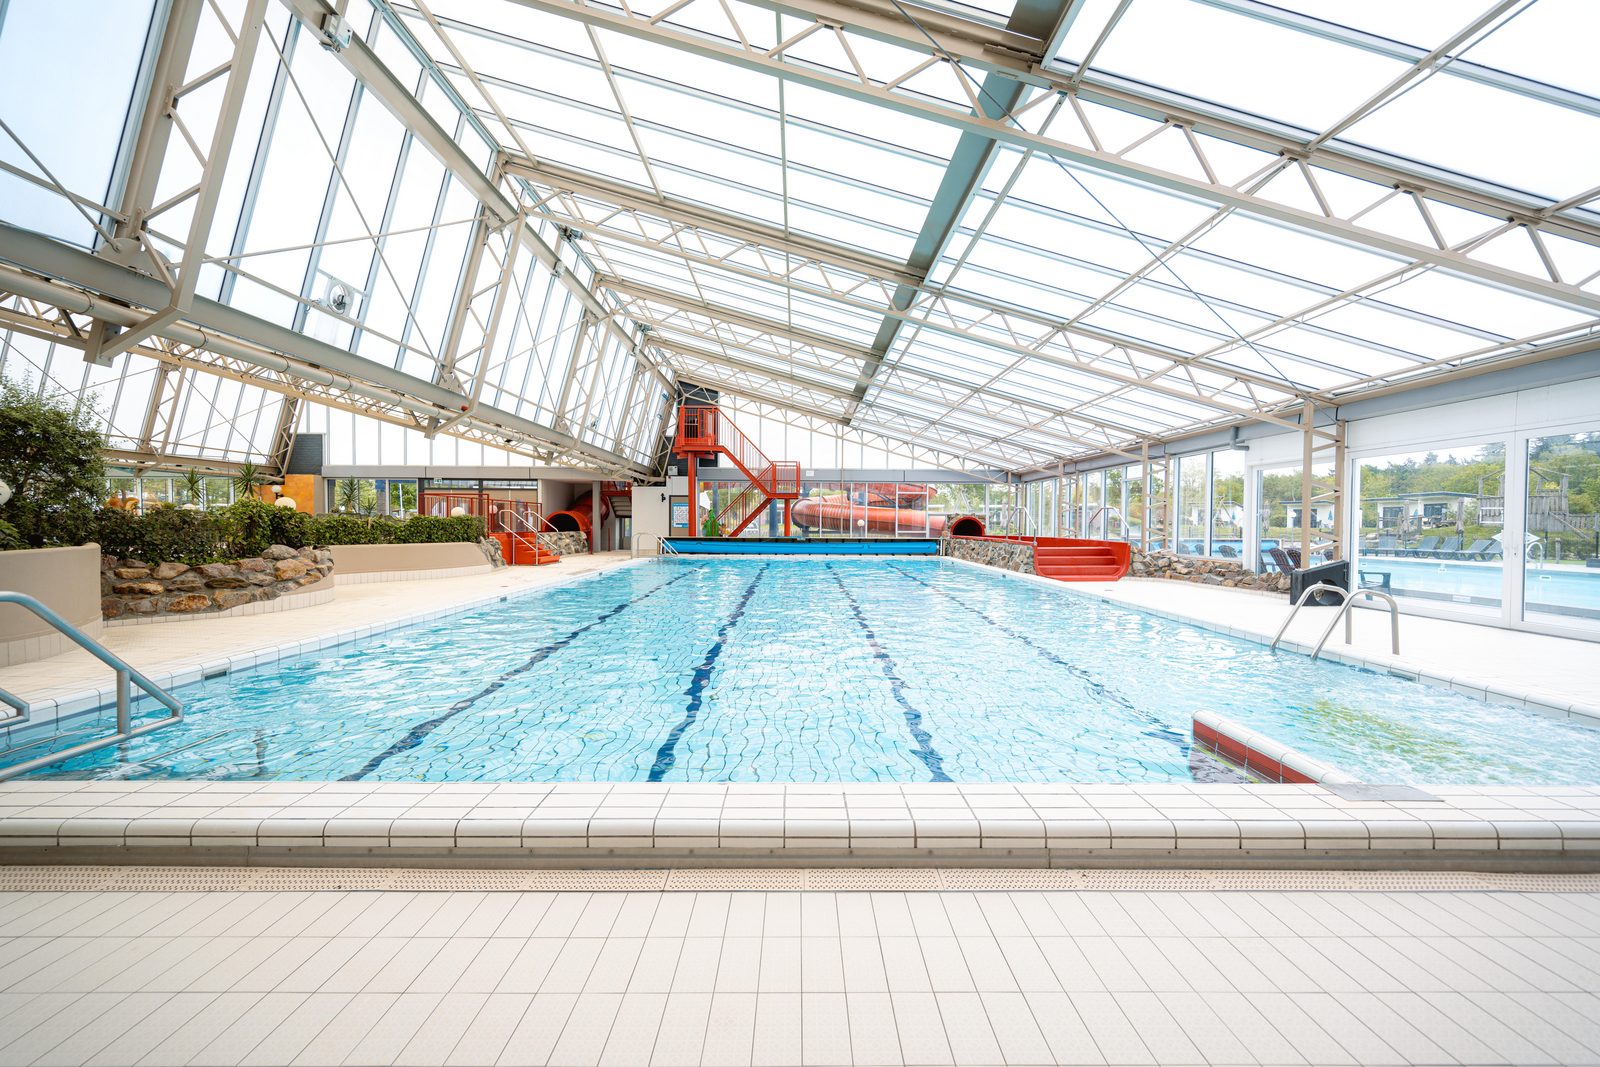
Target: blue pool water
(745, 670)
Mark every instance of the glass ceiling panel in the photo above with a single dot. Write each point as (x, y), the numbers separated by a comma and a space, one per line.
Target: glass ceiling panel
(1488, 132)
(1238, 61)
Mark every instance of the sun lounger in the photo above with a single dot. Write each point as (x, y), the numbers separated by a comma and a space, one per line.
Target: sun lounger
(1479, 547)
(1421, 548)
(1447, 550)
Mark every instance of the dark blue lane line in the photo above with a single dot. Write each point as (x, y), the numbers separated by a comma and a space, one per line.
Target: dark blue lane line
(421, 730)
(1159, 729)
(667, 754)
(924, 751)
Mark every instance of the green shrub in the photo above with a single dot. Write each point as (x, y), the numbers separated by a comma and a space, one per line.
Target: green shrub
(253, 526)
(352, 530)
(163, 535)
(439, 529)
(50, 455)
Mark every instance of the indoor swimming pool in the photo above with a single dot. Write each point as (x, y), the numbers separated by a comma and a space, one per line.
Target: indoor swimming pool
(817, 670)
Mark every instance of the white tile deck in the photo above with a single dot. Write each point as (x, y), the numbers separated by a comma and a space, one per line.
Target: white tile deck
(1555, 675)
(1253, 976)
(628, 824)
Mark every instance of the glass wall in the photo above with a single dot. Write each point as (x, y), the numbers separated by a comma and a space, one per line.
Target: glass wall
(1193, 511)
(140, 492)
(1278, 508)
(1432, 525)
(1561, 574)
(1227, 504)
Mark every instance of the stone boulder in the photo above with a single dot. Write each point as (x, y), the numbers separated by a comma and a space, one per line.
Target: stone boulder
(277, 552)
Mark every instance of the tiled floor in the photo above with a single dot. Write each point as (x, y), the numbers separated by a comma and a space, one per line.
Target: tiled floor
(1129, 977)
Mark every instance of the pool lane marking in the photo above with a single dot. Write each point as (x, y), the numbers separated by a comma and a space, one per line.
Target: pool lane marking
(666, 755)
(418, 733)
(1161, 729)
(924, 751)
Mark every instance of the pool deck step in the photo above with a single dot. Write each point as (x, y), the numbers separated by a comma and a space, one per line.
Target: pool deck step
(640, 825)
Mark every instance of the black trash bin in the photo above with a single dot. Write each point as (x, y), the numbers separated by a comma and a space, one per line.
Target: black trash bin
(1335, 573)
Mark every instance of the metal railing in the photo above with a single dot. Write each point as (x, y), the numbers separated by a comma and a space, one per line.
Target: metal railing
(127, 677)
(1347, 600)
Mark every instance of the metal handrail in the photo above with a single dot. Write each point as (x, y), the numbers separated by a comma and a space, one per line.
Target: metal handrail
(1344, 610)
(1347, 600)
(127, 676)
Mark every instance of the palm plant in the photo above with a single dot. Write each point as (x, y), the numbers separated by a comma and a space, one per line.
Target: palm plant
(194, 488)
(352, 496)
(246, 479)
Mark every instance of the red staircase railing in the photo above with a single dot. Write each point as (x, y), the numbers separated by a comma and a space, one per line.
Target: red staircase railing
(705, 431)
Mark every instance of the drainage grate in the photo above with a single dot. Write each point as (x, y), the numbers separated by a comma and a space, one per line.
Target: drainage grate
(884, 879)
(21, 879)
(714, 878)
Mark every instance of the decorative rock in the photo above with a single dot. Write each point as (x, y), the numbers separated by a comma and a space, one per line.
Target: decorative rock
(255, 564)
(232, 598)
(139, 588)
(142, 607)
(260, 579)
(280, 552)
(111, 607)
(168, 571)
(287, 569)
(217, 570)
(132, 572)
(185, 604)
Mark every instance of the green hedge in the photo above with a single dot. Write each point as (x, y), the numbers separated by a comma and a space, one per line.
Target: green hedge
(247, 528)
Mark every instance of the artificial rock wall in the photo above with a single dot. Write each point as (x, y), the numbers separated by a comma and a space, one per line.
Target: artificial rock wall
(1007, 555)
(132, 588)
(1229, 573)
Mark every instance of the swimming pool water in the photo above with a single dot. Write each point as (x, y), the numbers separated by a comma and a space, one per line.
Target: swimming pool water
(813, 670)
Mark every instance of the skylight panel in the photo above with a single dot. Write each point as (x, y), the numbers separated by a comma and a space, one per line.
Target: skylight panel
(1424, 23)
(1242, 62)
(1294, 253)
(1551, 41)
(1485, 307)
(1489, 133)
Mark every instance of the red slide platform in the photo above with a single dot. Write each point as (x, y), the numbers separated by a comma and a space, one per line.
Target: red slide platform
(1073, 559)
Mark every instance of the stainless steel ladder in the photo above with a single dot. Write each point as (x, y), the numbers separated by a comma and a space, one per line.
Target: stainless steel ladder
(1347, 600)
(127, 677)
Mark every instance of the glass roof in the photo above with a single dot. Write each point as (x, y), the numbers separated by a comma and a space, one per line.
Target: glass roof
(1007, 234)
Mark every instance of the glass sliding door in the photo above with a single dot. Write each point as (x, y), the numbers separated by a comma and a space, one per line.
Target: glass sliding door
(1193, 510)
(1432, 525)
(1227, 504)
(1561, 509)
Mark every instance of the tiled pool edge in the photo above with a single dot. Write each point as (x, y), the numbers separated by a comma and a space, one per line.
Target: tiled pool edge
(916, 825)
(1544, 703)
(87, 701)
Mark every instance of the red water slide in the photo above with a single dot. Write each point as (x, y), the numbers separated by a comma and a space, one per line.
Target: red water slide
(889, 508)
(578, 517)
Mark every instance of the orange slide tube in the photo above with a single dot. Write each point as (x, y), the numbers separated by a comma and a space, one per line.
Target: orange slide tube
(577, 518)
(840, 516)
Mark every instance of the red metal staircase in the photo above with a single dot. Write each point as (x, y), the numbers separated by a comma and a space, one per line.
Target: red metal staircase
(704, 431)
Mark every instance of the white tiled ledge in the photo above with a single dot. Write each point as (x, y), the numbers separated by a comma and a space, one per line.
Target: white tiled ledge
(1545, 703)
(913, 824)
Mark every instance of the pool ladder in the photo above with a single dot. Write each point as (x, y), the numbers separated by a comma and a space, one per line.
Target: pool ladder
(127, 677)
(1347, 600)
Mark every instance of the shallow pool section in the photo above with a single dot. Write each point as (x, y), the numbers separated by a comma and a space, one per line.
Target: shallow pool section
(818, 670)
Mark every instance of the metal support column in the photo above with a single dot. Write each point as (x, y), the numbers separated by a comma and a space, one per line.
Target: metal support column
(694, 501)
(596, 532)
(1321, 445)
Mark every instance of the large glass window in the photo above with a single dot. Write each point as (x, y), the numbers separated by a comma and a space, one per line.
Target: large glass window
(1561, 576)
(1278, 516)
(1432, 525)
(1193, 514)
(1227, 504)
(1094, 504)
(68, 69)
